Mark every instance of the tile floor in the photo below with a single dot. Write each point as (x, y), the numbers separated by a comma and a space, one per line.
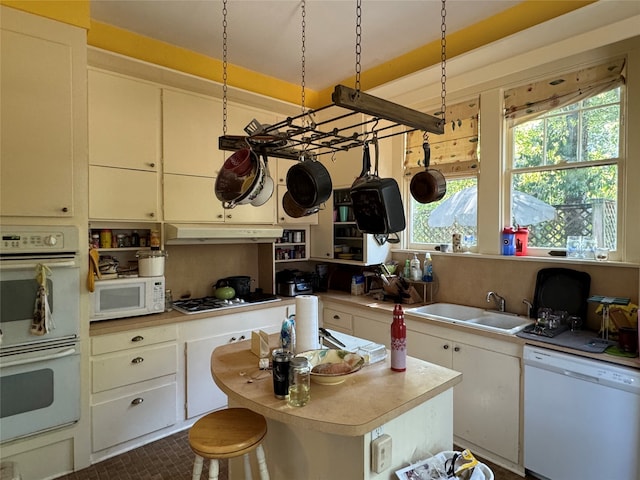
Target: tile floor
(171, 459)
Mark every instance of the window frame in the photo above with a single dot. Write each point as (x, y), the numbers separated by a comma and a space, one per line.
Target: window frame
(619, 162)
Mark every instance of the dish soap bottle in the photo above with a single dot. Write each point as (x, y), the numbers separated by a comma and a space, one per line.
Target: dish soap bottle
(407, 269)
(428, 268)
(398, 341)
(416, 271)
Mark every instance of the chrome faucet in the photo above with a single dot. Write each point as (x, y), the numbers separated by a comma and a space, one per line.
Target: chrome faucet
(500, 301)
(529, 306)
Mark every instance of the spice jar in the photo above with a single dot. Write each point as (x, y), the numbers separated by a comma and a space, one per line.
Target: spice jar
(299, 382)
(105, 239)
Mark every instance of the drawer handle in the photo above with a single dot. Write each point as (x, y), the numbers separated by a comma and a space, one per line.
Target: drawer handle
(336, 317)
(137, 401)
(242, 337)
(446, 346)
(233, 339)
(137, 360)
(456, 349)
(137, 338)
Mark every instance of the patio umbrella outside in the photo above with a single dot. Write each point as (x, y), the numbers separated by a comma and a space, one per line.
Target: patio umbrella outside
(462, 208)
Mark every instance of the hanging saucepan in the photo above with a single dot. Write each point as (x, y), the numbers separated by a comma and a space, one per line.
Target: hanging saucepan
(294, 210)
(377, 204)
(309, 183)
(241, 179)
(430, 185)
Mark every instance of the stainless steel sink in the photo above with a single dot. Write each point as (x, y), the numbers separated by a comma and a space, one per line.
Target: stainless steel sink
(473, 317)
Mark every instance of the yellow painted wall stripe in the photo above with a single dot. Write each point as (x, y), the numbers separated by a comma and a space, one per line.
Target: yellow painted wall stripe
(77, 12)
(73, 12)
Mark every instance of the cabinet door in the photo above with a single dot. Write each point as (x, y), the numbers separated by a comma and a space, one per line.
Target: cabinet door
(191, 199)
(124, 122)
(121, 194)
(487, 402)
(264, 214)
(203, 395)
(337, 320)
(374, 330)
(430, 348)
(191, 125)
(322, 234)
(37, 128)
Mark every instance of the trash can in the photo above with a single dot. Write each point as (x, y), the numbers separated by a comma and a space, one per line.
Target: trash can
(435, 468)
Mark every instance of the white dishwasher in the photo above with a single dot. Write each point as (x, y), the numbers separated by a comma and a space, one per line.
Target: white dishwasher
(581, 417)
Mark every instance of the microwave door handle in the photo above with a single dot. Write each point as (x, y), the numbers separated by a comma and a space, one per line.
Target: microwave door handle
(53, 356)
(32, 265)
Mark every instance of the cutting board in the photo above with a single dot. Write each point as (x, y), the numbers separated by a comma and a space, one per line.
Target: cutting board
(562, 289)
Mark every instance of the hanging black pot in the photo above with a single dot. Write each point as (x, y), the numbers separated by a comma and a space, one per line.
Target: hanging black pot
(377, 203)
(430, 185)
(309, 183)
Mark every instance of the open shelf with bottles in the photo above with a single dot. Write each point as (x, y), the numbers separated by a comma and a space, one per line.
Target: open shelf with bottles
(292, 246)
(348, 241)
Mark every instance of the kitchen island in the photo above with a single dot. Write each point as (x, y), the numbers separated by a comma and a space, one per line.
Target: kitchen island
(331, 436)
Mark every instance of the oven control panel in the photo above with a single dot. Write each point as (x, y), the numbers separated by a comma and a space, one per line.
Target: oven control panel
(27, 239)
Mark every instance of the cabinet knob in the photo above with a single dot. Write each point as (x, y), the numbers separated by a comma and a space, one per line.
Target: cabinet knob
(152, 165)
(336, 317)
(446, 346)
(65, 209)
(137, 338)
(137, 401)
(282, 219)
(242, 337)
(229, 216)
(233, 339)
(152, 215)
(456, 349)
(137, 360)
(220, 216)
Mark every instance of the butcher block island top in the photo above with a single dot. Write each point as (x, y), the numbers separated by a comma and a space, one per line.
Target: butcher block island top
(414, 407)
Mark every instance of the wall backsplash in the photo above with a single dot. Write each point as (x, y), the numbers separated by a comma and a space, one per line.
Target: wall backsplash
(466, 279)
(193, 269)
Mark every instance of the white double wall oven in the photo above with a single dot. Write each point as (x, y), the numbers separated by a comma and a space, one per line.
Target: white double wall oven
(39, 372)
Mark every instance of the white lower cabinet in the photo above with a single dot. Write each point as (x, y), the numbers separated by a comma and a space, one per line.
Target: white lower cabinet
(487, 401)
(201, 337)
(134, 384)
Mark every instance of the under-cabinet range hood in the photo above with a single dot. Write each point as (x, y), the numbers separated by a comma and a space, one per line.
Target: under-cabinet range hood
(198, 233)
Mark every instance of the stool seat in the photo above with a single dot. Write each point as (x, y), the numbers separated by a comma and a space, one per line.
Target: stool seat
(228, 433)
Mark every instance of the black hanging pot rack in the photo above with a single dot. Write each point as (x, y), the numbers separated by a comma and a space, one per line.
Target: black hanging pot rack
(302, 136)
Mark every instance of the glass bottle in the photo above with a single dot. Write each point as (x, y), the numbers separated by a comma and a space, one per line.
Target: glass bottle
(398, 341)
(299, 382)
(416, 270)
(168, 300)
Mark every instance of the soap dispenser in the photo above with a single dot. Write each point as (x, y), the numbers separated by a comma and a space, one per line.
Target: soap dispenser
(416, 270)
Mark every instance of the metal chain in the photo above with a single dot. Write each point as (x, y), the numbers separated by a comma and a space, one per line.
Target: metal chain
(304, 14)
(358, 42)
(224, 67)
(443, 64)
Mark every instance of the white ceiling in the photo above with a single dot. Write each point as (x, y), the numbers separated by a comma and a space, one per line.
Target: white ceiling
(265, 36)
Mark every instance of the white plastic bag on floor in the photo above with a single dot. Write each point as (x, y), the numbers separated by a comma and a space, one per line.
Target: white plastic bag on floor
(438, 466)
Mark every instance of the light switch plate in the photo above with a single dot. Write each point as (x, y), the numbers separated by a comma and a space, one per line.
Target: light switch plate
(381, 453)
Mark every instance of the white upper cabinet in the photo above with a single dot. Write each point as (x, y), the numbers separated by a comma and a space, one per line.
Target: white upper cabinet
(43, 128)
(124, 122)
(191, 125)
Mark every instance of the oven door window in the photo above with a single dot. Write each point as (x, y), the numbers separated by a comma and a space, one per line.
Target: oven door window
(39, 391)
(126, 297)
(18, 289)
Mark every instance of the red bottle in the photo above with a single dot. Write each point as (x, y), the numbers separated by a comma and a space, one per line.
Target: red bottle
(398, 341)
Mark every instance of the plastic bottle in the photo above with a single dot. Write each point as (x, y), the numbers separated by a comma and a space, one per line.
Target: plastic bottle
(428, 268)
(398, 341)
(407, 269)
(135, 239)
(416, 270)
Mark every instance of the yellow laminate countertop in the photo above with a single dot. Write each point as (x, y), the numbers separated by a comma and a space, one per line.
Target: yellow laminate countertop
(367, 399)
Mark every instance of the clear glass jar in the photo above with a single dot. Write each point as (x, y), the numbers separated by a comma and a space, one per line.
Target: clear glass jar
(168, 300)
(299, 382)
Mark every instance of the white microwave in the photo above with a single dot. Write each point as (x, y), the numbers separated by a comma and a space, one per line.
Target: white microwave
(127, 297)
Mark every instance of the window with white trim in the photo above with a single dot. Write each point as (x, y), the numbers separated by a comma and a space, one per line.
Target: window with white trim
(565, 155)
(455, 155)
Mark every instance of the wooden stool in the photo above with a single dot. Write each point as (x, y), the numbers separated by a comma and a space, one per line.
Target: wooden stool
(227, 434)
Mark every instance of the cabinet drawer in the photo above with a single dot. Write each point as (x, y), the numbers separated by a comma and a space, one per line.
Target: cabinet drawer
(136, 414)
(116, 342)
(111, 371)
(336, 318)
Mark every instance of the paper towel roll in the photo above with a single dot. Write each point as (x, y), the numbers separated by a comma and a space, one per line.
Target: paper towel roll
(307, 337)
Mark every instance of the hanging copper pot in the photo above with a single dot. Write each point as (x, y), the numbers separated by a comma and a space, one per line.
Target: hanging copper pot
(430, 185)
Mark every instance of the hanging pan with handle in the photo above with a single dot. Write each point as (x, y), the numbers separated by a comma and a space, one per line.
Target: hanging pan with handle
(377, 204)
(309, 183)
(430, 185)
